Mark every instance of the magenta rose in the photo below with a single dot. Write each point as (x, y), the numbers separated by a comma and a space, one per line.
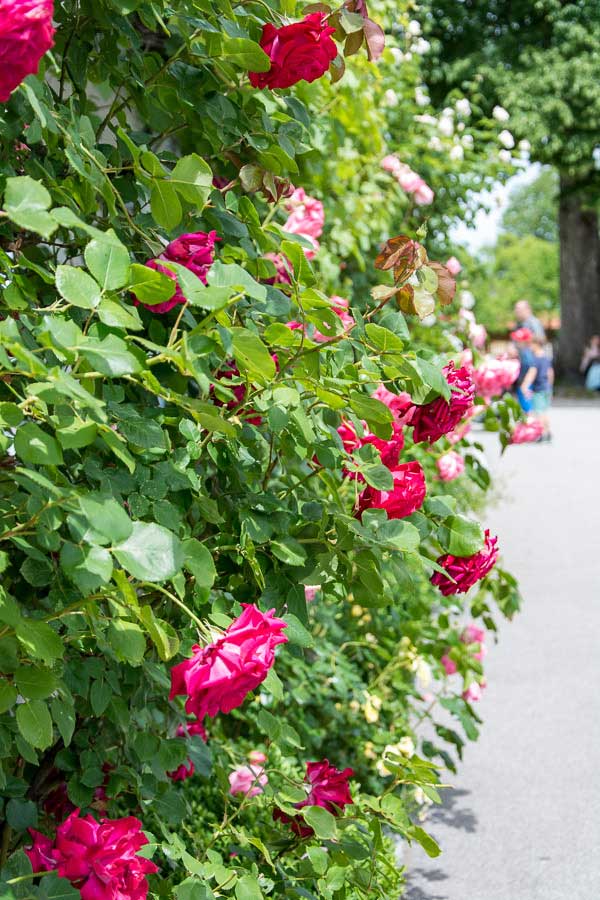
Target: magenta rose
(98, 858)
(400, 405)
(389, 450)
(218, 677)
(435, 419)
(328, 788)
(406, 496)
(465, 571)
(195, 251)
(26, 34)
(450, 465)
(449, 665)
(302, 51)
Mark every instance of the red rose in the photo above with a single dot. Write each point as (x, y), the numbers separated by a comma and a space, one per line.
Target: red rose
(433, 420)
(466, 570)
(217, 678)
(406, 496)
(328, 788)
(301, 51)
(389, 451)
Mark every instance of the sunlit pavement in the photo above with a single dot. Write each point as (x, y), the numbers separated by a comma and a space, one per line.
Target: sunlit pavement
(523, 819)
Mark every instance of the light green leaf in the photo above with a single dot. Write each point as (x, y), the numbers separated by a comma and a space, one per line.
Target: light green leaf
(77, 287)
(63, 713)
(233, 276)
(252, 356)
(248, 888)
(321, 821)
(150, 286)
(35, 682)
(127, 640)
(461, 536)
(399, 535)
(165, 205)
(107, 518)
(109, 263)
(88, 567)
(35, 724)
(8, 696)
(246, 54)
(151, 553)
(26, 203)
(32, 445)
(111, 356)
(193, 179)
(119, 315)
(40, 640)
(199, 562)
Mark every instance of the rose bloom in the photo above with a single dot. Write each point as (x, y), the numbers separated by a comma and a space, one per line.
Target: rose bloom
(474, 692)
(307, 216)
(527, 432)
(495, 376)
(458, 434)
(473, 635)
(257, 757)
(302, 51)
(424, 195)
(247, 780)
(98, 858)
(466, 570)
(195, 252)
(182, 772)
(437, 418)
(310, 592)
(449, 665)
(392, 164)
(478, 335)
(218, 677)
(450, 465)
(406, 496)
(26, 34)
(400, 405)
(389, 450)
(328, 788)
(453, 265)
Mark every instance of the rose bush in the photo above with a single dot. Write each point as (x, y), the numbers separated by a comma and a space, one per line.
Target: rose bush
(189, 594)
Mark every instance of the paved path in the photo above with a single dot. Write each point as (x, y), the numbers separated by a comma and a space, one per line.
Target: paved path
(523, 820)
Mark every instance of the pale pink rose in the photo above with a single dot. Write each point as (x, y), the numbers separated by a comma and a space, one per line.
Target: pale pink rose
(450, 465)
(307, 216)
(478, 335)
(527, 432)
(453, 437)
(408, 180)
(449, 665)
(474, 692)
(391, 164)
(495, 376)
(453, 266)
(400, 405)
(257, 757)
(473, 635)
(310, 592)
(248, 780)
(423, 196)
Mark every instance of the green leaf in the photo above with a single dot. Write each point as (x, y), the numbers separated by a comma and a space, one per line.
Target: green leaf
(40, 640)
(165, 205)
(199, 562)
(63, 713)
(233, 276)
(196, 292)
(78, 434)
(26, 203)
(246, 54)
(87, 566)
(428, 844)
(8, 696)
(252, 356)
(119, 315)
(127, 640)
(399, 535)
(461, 536)
(376, 414)
(151, 553)
(21, 814)
(161, 633)
(289, 551)
(150, 286)
(77, 287)
(35, 682)
(111, 356)
(193, 179)
(296, 633)
(32, 445)
(54, 888)
(109, 263)
(321, 821)
(106, 517)
(248, 888)
(35, 724)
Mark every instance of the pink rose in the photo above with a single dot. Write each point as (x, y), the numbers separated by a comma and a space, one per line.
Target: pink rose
(302, 51)
(473, 635)
(450, 465)
(391, 164)
(248, 780)
(328, 788)
(458, 434)
(527, 432)
(257, 757)
(406, 496)
(435, 419)
(283, 268)
(41, 852)
(453, 266)
(182, 772)
(495, 376)
(186, 770)
(307, 216)
(310, 592)
(26, 34)
(474, 692)
(478, 335)
(465, 571)
(400, 405)
(98, 858)
(408, 180)
(449, 665)
(195, 252)
(423, 195)
(218, 677)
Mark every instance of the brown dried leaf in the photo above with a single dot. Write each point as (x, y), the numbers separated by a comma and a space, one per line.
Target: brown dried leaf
(383, 291)
(446, 283)
(404, 299)
(353, 43)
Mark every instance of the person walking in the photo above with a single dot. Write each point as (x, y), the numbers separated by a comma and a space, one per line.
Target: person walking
(526, 319)
(537, 385)
(522, 338)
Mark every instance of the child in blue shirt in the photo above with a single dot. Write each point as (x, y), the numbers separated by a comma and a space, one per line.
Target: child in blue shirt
(537, 385)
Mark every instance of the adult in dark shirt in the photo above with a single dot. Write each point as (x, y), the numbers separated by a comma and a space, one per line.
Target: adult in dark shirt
(537, 385)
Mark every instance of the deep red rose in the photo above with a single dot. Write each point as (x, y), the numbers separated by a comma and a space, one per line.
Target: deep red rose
(406, 496)
(218, 677)
(26, 34)
(466, 570)
(435, 419)
(328, 788)
(302, 51)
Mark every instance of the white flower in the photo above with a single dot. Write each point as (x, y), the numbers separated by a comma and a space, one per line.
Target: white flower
(467, 141)
(505, 156)
(506, 139)
(423, 672)
(446, 126)
(390, 98)
(421, 797)
(421, 97)
(500, 114)
(467, 300)
(428, 321)
(397, 54)
(426, 119)
(456, 153)
(405, 746)
(414, 28)
(435, 144)
(524, 146)
(463, 107)
(448, 111)
(421, 46)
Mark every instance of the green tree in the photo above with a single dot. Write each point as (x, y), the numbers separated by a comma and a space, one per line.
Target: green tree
(539, 60)
(532, 209)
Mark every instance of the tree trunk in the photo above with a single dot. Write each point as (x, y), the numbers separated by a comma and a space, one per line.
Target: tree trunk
(579, 278)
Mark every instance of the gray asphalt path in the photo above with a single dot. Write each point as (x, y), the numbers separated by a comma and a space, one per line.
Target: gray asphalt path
(523, 819)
